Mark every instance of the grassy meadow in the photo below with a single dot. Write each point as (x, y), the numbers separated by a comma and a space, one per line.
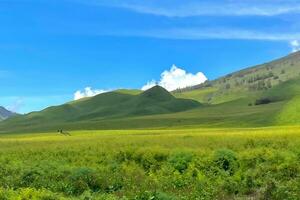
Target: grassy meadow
(245, 163)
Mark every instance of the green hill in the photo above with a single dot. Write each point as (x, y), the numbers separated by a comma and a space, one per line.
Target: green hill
(242, 112)
(271, 91)
(108, 106)
(250, 82)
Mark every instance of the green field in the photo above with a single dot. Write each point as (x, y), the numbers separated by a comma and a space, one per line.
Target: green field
(248, 163)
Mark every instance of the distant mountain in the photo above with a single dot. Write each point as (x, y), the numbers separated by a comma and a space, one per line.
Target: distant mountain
(5, 114)
(111, 105)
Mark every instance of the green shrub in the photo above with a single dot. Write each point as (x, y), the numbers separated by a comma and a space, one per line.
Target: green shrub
(83, 179)
(181, 160)
(226, 160)
(150, 159)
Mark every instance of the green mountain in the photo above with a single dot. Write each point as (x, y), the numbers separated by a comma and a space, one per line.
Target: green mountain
(264, 95)
(111, 105)
(250, 82)
(5, 114)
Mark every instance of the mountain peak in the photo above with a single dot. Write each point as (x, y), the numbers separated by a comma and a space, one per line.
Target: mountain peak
(158, 93)
(157, 88)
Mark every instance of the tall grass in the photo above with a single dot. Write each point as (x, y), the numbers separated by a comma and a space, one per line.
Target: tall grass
(152, 164)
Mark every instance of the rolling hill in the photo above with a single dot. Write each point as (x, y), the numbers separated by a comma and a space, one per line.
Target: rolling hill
(111, 105)
(5, 114)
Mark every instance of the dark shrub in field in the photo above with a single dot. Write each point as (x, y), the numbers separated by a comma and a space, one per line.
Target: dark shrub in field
(226, 160)
(83, 179)
(263, 101)
(150, 159)
(181, 160)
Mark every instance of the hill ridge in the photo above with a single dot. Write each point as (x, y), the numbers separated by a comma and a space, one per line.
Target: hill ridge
(157, 93)
(110, 105)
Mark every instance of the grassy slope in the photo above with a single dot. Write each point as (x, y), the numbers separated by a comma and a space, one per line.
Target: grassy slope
(235, 113)
(112, 105)
(232, 114)
(251, 82)
(289, 115)
(285, 90)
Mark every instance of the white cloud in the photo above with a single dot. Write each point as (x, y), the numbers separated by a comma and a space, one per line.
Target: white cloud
(176, 78)
(295, 44)
(188, 8)
(87, 92)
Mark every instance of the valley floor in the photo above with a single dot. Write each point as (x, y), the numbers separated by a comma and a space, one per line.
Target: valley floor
(252, 163)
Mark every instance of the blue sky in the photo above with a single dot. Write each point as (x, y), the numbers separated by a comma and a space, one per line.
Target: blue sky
(49, 49)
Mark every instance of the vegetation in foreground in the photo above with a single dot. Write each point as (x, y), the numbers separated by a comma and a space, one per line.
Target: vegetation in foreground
(152, 165)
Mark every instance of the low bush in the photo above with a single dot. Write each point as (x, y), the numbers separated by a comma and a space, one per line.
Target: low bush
(83, 179)
(263, 101)
(180, 160)
(226, 160)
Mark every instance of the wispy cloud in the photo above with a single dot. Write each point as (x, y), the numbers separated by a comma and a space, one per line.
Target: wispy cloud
(188, 8)
(209, 33)
(181, 24)
(227, 9)
(176, 78)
